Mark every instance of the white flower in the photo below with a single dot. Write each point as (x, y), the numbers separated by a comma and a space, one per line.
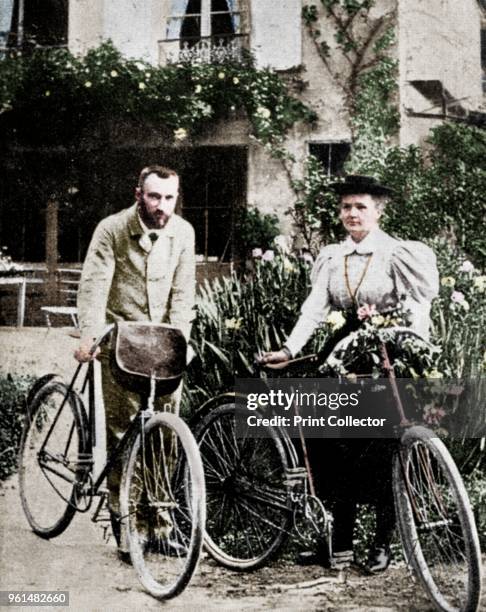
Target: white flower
(233, 323)
(142, 85)
(236, 80)
(256, 253)
(448, 281)
(480, 283)
(288, 265)
(139, 65)
(335, 319)
(114, 73)
(269, 255)
(264, 112)
(88, 84)
(221, 75)
(180, 134)
(47, 93)
(466, 266)
(198, 89)
(377, 320)
(283, 243)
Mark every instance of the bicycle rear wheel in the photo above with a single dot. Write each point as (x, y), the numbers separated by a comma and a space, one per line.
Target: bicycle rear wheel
(53, 440)
(249, 508)
(163, 505)
(436, 522)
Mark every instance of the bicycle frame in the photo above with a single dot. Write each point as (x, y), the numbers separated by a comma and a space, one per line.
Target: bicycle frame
(91, 478)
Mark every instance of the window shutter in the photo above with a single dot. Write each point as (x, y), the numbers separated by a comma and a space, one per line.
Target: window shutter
(276, 33)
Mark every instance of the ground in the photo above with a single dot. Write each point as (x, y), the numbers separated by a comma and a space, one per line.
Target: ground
(81, 562)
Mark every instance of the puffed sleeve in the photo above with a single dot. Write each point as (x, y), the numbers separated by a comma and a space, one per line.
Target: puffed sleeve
(316, 306)
(414, 269)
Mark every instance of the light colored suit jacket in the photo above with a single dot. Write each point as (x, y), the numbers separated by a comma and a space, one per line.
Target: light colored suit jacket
(126, 278)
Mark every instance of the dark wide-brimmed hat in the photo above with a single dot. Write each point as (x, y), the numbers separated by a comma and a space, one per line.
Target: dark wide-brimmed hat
(357, 183)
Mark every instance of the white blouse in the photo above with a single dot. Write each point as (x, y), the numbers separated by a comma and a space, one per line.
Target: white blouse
(398, 272)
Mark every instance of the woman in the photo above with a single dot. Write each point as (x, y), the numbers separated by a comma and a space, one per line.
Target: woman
(369, 268)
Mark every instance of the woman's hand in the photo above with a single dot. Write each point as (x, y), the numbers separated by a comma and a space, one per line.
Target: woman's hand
(83, 352)
(280, 356)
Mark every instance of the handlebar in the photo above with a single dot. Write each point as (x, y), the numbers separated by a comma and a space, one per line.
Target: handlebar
(106, 332)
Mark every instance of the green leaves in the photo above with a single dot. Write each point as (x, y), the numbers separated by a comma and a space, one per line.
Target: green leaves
(52, 95)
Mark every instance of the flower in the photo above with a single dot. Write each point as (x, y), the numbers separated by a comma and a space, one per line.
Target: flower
(264, 112)
(233, 323)
(88, 84)
(221, 75)
(142, 85)
(236, 80)
(335, 319)
(288, 265)
(256, 253)
(114, 73)
(480, 283)
(307, 257)
(366, 311)
(433, 414)
(269, 255)
(433, 374)
(180, 134)
(466, 266)
(282, 242)
(47, 93)
(198, 88)
(139, 65)
(378, 320)
(457, 296)
(448, 281)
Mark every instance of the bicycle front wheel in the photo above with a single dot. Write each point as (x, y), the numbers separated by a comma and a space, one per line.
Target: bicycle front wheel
(249, 508)
(163, 505)
(53, 439)
(436, 522)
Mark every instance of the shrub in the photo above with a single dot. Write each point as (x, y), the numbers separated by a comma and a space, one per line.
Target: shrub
(12, 401)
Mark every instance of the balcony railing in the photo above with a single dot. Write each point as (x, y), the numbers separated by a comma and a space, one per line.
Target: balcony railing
(203, 49)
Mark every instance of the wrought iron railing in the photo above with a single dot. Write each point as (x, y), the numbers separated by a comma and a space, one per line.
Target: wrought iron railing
(203, 49)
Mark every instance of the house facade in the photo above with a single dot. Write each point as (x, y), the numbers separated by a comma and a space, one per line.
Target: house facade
(438, 45)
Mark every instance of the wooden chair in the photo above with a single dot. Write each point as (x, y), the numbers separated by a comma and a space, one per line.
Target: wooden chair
(68, 284)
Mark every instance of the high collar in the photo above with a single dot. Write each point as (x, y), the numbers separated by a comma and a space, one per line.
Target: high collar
(368, 245)
(136, 227)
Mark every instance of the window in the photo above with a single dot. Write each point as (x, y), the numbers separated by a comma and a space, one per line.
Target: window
(204, 31)
(38, 23)
(332, 155)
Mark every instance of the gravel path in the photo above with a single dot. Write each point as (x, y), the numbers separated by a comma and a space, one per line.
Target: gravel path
(81, 562)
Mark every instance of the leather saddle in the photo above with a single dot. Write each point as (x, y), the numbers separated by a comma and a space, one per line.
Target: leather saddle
(144, 350)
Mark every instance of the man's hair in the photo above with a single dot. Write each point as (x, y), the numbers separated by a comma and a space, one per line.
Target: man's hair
(161, 171)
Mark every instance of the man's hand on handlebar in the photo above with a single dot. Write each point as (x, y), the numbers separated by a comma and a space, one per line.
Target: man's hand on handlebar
(83, 353)
(281, 356)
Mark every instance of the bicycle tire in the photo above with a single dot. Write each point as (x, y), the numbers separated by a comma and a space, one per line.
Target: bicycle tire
(239, 536)
(48, 481)
(163, 505)
(436, 522)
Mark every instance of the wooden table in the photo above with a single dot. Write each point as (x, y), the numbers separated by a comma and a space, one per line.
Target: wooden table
(21, 282)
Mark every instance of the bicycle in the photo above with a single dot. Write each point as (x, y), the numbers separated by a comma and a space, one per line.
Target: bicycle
(258, 492)
(162, 491)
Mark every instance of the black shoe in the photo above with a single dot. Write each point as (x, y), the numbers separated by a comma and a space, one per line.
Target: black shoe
(124, 557)
(379, 559)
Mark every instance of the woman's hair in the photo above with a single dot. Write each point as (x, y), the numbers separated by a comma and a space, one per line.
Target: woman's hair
(380, 202)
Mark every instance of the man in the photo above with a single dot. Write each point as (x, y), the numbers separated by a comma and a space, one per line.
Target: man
(140, 266)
